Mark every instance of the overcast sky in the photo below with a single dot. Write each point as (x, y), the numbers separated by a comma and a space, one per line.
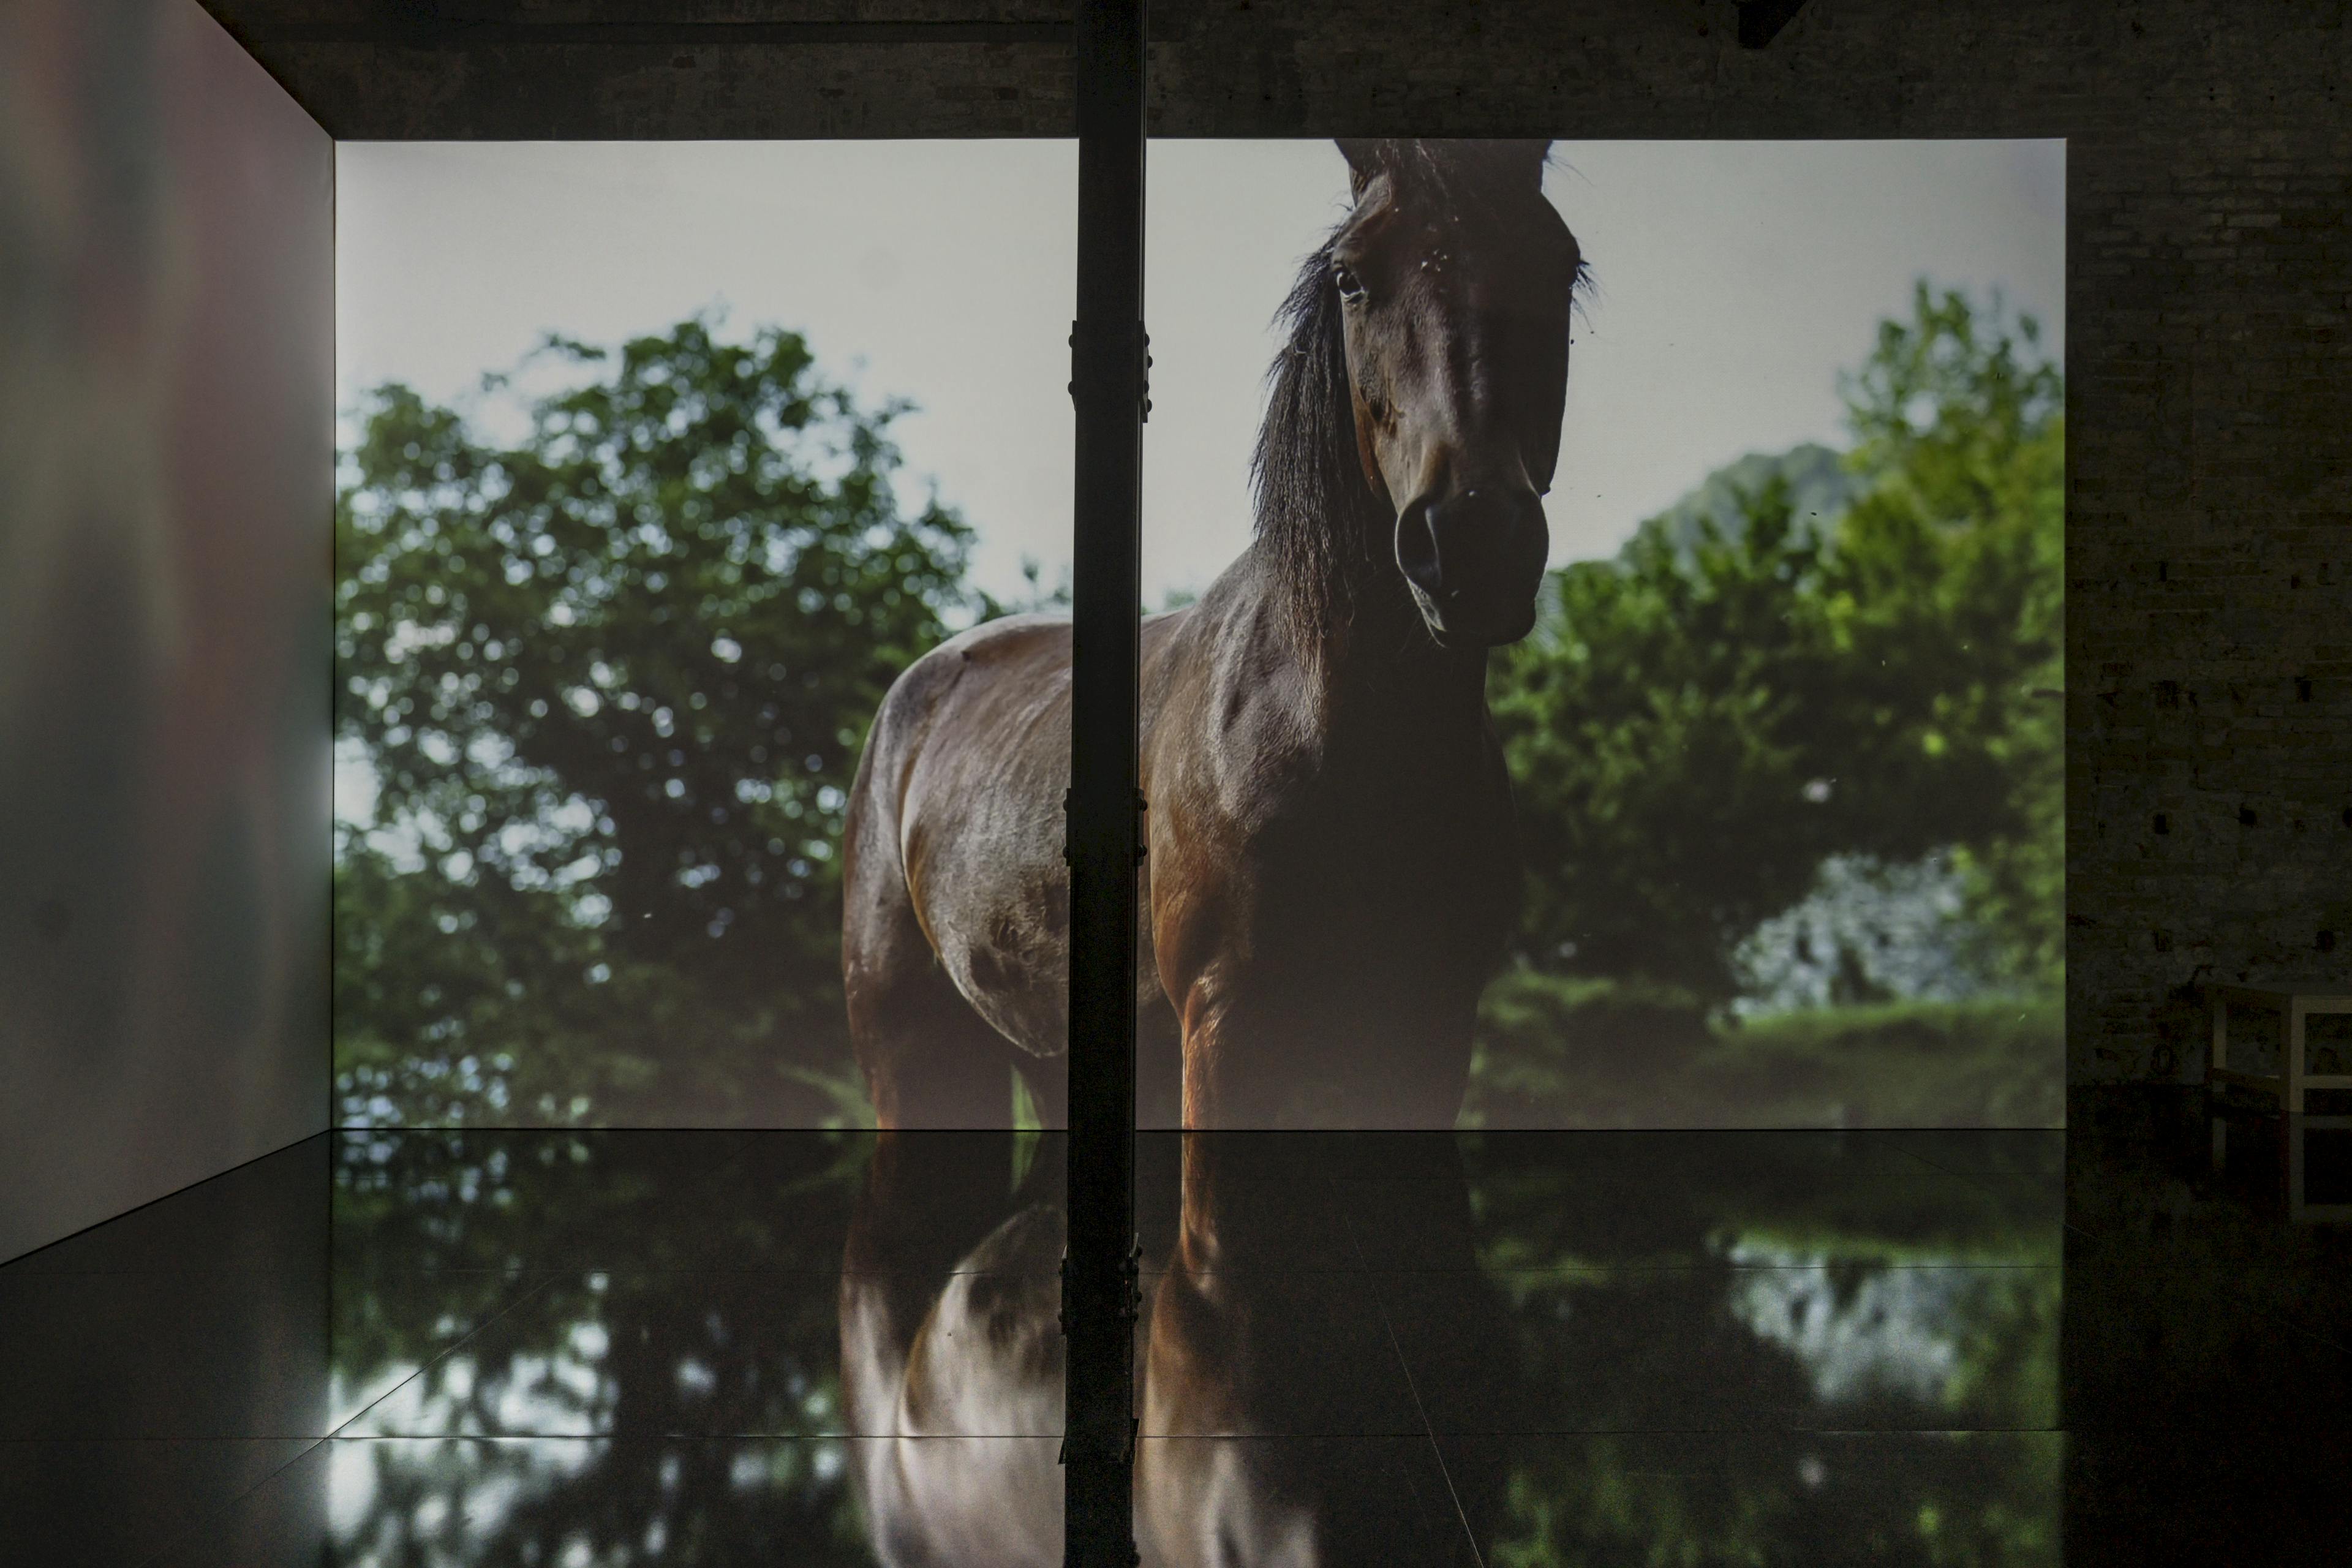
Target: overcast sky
(1732, 280)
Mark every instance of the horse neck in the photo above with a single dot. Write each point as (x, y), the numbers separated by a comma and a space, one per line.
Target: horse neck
(1376, 675)
(1363, 650)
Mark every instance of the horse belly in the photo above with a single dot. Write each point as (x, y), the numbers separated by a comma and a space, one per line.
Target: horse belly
(1008, 955)
(985, 753)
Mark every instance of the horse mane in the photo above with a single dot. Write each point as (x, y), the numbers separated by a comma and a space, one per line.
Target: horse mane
(1316, 513)
(1314, 507)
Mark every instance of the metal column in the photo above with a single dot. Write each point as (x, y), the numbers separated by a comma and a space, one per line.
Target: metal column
(1107, 366)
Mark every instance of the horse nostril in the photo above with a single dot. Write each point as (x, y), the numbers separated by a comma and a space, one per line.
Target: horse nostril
(1417, 552)
(1476, 541)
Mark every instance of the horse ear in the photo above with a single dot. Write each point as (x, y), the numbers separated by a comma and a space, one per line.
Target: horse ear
(1363, 155)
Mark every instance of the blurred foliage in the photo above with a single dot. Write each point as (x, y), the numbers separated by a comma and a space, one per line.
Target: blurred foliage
(1956, 1499)
(1698, 723)
(570, 1242)
(1555, 1051)
(613, 680)
(1762, 1350)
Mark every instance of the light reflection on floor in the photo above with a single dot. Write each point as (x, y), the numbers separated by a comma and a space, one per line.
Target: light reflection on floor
(1607, 1313)
(489, 1348)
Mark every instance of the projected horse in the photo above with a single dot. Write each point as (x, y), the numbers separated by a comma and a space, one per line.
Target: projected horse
(1331, 869)
(952, 1369)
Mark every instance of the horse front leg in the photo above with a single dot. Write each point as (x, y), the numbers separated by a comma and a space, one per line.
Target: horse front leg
(1269, 1057)
(1219, 1090)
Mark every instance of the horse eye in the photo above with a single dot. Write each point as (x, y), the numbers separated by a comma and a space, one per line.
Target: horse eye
(1352, 288)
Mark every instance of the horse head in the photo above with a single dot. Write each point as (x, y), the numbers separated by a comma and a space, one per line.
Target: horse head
(1451, 281)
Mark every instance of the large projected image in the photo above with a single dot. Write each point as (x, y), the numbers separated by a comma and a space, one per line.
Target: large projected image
(1599, 676)
(1604, 673)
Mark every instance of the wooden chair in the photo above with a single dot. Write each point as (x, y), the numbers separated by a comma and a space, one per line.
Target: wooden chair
(2294, 1004)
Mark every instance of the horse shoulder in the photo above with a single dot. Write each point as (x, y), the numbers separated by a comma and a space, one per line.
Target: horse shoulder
(1240, 725)
(1226, 750)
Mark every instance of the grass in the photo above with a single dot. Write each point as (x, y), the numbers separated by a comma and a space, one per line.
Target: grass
(1558, 1053)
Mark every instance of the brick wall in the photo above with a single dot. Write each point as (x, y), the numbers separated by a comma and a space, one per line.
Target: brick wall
(2210, 524)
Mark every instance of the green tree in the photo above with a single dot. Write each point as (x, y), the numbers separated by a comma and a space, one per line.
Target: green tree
(1959, 423)
(613, 680)
(1698, 723)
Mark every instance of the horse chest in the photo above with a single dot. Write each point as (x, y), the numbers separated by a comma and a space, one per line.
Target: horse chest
(1335, 866)
(1382, 871)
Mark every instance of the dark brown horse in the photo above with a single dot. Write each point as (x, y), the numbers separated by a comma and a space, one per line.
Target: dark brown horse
(1332, 871)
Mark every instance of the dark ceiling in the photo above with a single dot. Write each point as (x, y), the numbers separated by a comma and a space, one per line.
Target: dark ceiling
(750, 68)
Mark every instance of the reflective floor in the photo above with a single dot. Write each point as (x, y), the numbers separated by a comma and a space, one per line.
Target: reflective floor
(1803, 1348)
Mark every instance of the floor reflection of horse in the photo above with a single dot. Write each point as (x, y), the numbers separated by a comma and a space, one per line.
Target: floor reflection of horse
(1331, 873)
(949, 1342)
(949, 1329)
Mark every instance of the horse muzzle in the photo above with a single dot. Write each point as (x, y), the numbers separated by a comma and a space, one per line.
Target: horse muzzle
(1474, 560)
